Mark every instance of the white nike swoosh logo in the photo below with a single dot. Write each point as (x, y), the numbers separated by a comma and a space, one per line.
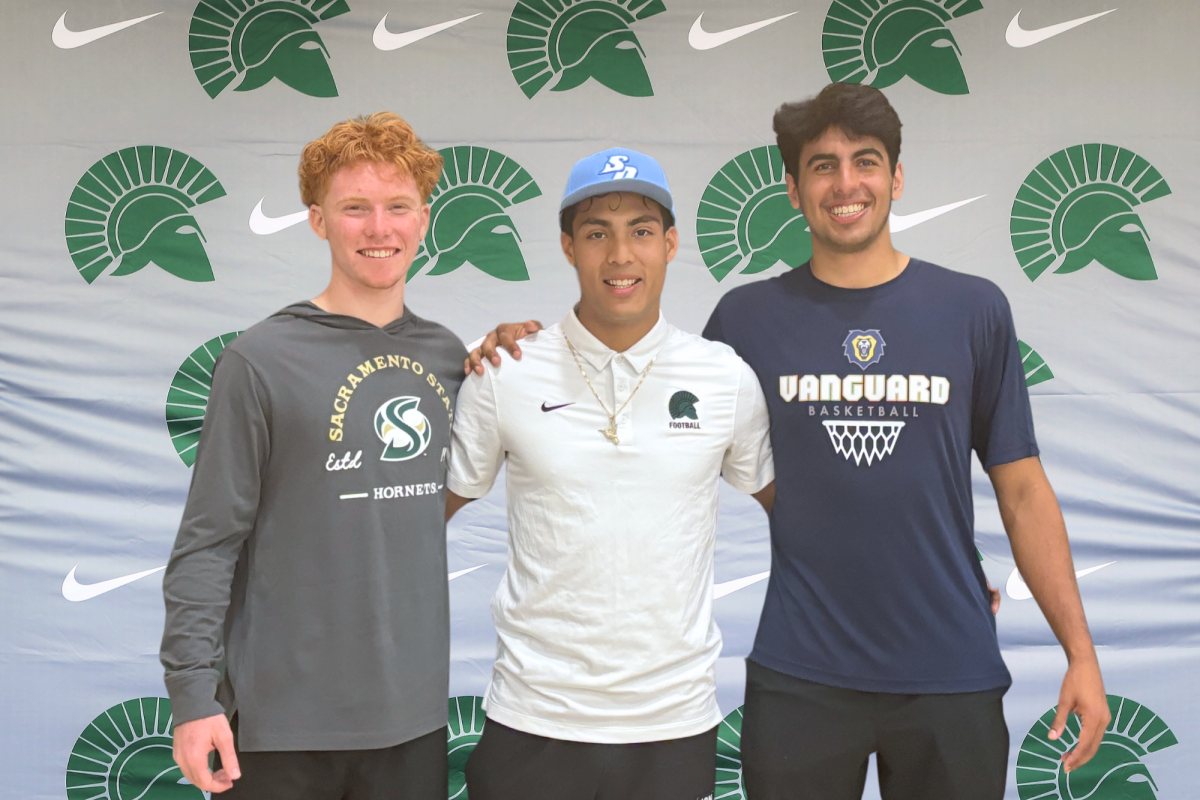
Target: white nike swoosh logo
(902, 222)
(701, 39)
(462, 572)
(1017, 36)
(263, 225)
(75, 591)
(1017, 589)
(729, 587)
(68, 39)
(386, 40)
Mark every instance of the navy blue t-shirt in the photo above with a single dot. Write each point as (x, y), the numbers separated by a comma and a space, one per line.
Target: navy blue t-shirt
(877, 398)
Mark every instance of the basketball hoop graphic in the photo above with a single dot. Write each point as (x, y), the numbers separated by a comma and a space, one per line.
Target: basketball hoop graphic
(865, 439)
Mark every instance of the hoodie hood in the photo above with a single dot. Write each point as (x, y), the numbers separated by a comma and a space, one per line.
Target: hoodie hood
(308, 310)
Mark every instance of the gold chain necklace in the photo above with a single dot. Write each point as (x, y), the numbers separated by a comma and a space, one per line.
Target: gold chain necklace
(610, 432)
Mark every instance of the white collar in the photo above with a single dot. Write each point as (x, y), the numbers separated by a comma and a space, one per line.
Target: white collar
(598, 354)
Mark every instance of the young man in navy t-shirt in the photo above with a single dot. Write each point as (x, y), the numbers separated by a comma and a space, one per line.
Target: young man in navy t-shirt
(882, 375)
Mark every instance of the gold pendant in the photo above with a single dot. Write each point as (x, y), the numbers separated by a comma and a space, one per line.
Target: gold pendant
(610, 432)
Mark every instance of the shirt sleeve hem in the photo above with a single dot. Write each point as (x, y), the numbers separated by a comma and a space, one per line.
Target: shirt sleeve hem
(763, 479)
(473, 491)
(1009, 456)
(193, 695)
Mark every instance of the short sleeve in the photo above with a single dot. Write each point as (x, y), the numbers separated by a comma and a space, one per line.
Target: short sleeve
(1001, 417)
(476, 449)
(748, 465)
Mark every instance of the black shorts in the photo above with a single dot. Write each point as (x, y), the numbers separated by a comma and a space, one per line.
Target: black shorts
(414, 770)
(805, 740)
(508, 764)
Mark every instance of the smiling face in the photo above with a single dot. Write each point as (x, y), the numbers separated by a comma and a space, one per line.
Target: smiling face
(374, 220)
(620, 250)
(845, 189)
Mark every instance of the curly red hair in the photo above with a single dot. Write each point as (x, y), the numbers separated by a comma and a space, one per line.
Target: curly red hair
(382, 137)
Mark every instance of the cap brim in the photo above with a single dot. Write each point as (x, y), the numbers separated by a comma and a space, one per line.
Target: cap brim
(644, 188)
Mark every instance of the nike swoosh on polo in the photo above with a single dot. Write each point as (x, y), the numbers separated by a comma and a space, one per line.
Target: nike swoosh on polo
(75, 591)
(701, 39)
(553, 408)
(386, 40)
(729, 587)
(902, 222)
(1016, 36)
(1017, 589)
(66, 39)
(263, 225)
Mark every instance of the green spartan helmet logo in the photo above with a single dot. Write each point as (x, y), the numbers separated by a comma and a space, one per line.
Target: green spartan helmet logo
(125, 754)
(745, 217)
(1116, 772)
(468, 221)
(134, 207)
(462, 734)
(1076, 207)
(1035, 367)
(730, 785)
(577, 40)
(261, 40)
(878, 42)
(187, 399)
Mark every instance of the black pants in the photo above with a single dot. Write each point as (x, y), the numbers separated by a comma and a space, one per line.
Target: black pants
(803, 740)
(414, 770)
(512, 765)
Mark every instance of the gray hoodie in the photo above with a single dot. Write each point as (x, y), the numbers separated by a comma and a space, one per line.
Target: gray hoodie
(307, 586)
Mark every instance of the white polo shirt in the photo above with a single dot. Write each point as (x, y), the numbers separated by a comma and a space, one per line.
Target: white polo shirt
(604, 615)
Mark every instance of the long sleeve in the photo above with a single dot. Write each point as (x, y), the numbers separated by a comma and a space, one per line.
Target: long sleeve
(220, 513)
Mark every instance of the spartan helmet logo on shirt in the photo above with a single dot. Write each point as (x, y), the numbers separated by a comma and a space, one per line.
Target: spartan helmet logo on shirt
(404, 430)
(864, 348)
(134, 207)
(1116, 772)
(125, 754)
(468, 219)
(683, 404)
(878, 42)
(260, 40)
(579, 39)
(1076, 207)
(746, 220)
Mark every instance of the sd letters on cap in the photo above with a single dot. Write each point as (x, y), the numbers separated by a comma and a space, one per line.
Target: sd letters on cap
(617, 169)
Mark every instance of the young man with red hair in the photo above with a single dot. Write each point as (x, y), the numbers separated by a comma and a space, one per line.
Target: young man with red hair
(307, 587)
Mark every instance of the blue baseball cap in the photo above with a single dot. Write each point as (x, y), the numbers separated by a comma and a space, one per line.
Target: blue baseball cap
(617, 169)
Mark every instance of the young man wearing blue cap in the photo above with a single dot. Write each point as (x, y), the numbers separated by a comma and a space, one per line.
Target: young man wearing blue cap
(884, 374)
(614, 427)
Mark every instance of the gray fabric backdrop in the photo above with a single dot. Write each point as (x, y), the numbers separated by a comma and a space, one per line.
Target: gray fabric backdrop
(91, 482)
